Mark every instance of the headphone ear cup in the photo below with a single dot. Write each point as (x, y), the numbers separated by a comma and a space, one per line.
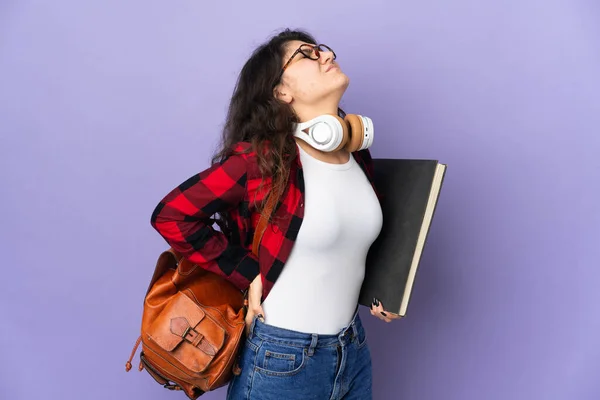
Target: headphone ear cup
(345, 133)
(357, 134)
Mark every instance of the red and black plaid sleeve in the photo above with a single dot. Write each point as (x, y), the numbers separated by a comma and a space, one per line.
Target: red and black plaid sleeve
(182, 218)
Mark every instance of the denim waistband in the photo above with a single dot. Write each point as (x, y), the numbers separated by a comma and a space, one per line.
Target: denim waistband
(350, 332)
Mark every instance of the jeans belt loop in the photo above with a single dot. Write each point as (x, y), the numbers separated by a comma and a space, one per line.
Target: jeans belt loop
(313, 344)
(354, 331)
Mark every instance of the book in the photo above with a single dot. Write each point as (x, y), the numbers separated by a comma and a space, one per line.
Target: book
(409, 191)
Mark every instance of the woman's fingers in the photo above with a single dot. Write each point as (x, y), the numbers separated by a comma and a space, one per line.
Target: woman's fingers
(378, 311)
(253, 311)
(259, 313)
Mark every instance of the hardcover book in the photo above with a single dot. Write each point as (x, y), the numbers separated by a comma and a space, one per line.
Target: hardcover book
(409, 192)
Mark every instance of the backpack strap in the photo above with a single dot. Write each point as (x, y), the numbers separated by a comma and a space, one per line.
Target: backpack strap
(263, 221)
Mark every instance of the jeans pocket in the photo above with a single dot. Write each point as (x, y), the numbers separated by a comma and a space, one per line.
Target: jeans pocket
(280, 360)
(361, 338)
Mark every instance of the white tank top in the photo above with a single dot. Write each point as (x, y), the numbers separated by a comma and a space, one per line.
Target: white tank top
(318, 288)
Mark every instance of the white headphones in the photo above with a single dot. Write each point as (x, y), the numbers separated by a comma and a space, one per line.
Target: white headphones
(331, 133)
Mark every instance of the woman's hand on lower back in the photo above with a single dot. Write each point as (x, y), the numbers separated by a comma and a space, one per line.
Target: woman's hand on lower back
(254, 302)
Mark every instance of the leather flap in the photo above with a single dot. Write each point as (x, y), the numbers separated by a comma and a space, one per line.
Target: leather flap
(169, 328)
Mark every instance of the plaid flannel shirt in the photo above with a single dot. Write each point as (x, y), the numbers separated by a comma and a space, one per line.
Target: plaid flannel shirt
(183, 216)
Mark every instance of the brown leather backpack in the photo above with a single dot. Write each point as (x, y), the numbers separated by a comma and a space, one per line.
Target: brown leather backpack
(192, 323)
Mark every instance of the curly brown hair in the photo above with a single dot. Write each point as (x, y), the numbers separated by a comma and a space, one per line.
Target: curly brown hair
(255, 115)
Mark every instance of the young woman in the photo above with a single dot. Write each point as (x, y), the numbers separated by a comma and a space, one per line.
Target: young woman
(305, 339)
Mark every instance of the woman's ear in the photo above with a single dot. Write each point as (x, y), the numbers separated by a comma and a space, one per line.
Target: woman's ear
(282, 95)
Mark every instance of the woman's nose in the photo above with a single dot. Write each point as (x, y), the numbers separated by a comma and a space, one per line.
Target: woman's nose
(325, 57)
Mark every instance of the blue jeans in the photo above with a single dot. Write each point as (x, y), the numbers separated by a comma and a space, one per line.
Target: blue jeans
(280, 364)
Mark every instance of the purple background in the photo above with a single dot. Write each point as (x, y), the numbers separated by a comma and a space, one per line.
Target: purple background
(106, 105)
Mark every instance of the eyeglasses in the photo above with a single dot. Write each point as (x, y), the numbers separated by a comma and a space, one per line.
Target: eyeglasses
(312, 51)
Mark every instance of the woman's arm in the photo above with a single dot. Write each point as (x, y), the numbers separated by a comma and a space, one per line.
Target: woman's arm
(182, 218)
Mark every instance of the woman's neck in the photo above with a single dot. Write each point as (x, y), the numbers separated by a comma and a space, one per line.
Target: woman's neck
(307, 113)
